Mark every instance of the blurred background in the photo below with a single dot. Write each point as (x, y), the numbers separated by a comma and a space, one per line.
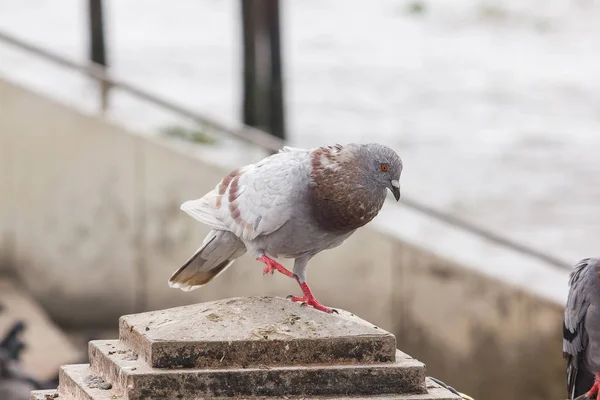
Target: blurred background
(114, 112)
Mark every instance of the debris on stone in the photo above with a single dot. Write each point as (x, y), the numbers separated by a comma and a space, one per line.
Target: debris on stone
(96, 382)
(213, 317)
(264, 331)
(130, 357)
(291, 319)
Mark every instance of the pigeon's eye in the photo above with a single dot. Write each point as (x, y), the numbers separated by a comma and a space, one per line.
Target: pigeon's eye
(384, 167)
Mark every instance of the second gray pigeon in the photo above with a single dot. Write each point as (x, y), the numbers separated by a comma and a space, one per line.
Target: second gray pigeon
(581, 330)
(293, 204)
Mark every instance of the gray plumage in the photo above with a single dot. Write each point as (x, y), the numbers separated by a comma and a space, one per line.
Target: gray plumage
(293, 204)
(581, 327)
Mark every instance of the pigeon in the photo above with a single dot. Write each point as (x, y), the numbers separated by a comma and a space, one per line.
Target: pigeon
(292, 204)
(581, 330)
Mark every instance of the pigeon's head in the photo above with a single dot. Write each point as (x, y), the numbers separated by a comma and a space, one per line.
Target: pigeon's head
(384, 167)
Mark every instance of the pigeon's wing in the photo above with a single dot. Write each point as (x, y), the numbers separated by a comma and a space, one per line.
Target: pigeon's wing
(575, 336)
(254, 200)
(288, 149)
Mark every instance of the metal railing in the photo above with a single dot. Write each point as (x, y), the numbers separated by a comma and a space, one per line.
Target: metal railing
(99, 73)
(258, 138)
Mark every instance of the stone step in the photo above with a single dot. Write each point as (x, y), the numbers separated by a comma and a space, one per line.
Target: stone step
(253, 332)
(117, 363)
(434, 392)
(45, 395)
(112, 359)
(75, 384)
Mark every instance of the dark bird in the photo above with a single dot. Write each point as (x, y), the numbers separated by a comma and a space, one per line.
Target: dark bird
(581, 330)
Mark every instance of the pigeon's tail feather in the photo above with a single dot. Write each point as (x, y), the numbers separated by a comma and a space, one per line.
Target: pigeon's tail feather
(579, 379)
(200, 210)
(219, 250)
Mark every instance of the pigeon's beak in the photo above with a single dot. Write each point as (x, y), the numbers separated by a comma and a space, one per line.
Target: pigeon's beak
(396, 189)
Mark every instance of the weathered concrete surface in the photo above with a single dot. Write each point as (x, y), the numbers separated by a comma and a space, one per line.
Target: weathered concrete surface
(44, 395)
(73, 387)
(469, 351)
(73, 203)
(139, 381)
(118, 364)
(253, 331)
(435, 392)
(47, 346)
(116, 370)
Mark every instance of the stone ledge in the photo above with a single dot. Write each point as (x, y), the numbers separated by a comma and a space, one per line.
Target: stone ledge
(118, 365)
(74, 388)
(254, 331)
(44, 395)
(352, 367)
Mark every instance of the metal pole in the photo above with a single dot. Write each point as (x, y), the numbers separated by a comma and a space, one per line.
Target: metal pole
(97, 46)
(249, 37)
(263, 87)
(276, 95)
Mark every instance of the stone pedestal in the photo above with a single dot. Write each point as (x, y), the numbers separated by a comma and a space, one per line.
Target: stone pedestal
(257, 347)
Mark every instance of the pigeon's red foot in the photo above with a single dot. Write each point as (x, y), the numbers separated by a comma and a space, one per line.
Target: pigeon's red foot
(595, 390)
(273, 265)
(309, 300)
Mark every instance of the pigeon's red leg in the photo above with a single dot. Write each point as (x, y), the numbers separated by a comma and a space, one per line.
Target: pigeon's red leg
(273, 265)
(309, 299)
(595, 390)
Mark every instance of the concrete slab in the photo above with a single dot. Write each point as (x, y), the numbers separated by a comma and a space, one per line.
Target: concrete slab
(114, 361)
(253, 331)
(74, 385)
(47, 346)
(111, 359)
(75, 210)
(74, 388)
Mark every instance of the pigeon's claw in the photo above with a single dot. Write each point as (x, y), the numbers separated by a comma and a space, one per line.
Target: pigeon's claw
(304, 302)
(273, 265)
(594, 392)
(309, 300)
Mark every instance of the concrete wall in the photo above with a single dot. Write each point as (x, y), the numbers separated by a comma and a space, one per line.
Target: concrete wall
(91, 224)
